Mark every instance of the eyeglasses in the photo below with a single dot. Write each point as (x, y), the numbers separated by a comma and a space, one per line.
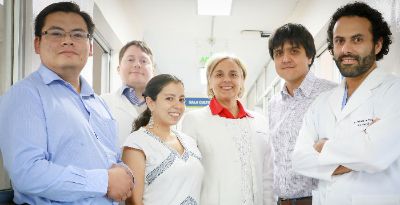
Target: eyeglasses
(56, 35)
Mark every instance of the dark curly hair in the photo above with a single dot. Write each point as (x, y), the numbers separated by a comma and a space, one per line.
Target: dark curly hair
(295, 34)
(380, 28)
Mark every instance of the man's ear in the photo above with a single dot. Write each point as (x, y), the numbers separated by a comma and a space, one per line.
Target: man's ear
(378, 45)
(36, 43)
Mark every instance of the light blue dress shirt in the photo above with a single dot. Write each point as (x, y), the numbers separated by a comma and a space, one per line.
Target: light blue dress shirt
(57, 144)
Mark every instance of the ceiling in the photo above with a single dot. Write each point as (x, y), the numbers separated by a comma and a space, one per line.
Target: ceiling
(179, 37)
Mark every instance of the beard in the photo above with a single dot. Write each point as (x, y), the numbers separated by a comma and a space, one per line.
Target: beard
(355, 70)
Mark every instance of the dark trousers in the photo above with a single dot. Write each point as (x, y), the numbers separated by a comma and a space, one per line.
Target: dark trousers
(297, 201)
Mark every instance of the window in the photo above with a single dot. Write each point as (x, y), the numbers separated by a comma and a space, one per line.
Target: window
(5, 67)
(101, 64)
(5, 45)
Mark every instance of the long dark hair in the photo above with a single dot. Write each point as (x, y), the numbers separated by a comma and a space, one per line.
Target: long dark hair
(153, 88)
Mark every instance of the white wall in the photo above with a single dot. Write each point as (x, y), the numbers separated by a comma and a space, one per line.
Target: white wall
(123, 19)
(314, 14)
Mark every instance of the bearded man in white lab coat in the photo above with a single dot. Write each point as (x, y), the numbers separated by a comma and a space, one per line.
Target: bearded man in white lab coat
(350, 136)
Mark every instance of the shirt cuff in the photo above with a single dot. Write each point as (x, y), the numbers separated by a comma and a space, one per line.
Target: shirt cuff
(97, 181)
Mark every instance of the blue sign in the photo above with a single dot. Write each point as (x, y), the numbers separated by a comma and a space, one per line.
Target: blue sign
(197, 102)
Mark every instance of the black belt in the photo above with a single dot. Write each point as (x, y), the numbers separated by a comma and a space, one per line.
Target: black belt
(295, 201)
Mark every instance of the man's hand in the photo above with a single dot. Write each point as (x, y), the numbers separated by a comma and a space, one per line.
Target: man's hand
(320, 144)
(120, 183)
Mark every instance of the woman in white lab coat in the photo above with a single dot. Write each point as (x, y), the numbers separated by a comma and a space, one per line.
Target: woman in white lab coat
(234, 141)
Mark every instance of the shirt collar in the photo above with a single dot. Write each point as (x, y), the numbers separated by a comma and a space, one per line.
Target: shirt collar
(124, 87)
(137, 101)
(86, 89)
(217, 109)
(50, 76)
(305, 87)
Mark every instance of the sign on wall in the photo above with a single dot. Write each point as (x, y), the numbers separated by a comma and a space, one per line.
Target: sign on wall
(197, 102)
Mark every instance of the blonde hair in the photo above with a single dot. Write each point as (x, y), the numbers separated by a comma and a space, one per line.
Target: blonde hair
(214, 60)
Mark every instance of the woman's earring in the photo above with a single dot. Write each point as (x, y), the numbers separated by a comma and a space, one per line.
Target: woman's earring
(150, 125)
(211, 93)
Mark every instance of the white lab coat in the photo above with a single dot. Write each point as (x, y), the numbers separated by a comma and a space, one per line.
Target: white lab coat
(123, 111)
(372, 152)
(222, 176)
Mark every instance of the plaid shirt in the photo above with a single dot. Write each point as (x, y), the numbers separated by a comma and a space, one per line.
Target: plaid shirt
(286, 114)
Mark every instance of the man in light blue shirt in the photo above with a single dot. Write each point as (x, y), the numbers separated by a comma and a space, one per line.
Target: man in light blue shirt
(58, 139)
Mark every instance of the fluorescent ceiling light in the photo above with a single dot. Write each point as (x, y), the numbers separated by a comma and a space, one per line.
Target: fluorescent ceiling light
(214, 7)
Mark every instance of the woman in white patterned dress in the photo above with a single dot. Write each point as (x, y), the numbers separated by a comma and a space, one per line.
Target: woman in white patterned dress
(166, 163)
(234, 141)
